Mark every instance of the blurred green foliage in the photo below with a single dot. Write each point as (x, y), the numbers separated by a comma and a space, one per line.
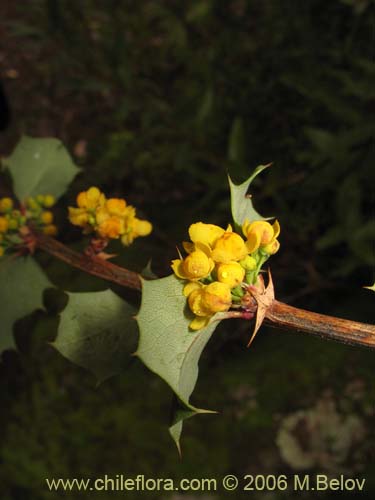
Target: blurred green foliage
(157, 101)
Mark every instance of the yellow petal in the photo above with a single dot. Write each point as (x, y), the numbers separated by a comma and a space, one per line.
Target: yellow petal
(178, 268)
(199, 322)
(276, 228)
(232, 273)
(253, 242)
(205, 233)
(191, 286)
(229, 247)
(203, 247)
(142, 227)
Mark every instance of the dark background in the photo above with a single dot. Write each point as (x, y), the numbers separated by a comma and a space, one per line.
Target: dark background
(157, 101)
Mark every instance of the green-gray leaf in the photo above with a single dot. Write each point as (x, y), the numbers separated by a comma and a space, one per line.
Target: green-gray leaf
(241, 203)
(21, 292)
(98, 332)
(167, 346)
(40, 166)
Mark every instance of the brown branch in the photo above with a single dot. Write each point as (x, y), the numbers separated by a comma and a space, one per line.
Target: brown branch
(282, 315)
(279, 315)
(92, 265)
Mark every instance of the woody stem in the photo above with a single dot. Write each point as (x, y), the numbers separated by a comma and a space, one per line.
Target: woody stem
(278, 315)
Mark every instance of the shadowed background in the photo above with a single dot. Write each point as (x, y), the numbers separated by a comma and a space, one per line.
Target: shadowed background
(157, 101)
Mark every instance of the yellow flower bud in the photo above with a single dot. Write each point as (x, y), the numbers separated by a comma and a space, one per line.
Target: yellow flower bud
(260, 233)
(78, 216)
(4, 224)
(127, 238)
(49, 200)
(248, 263)
(40, 199)
(231, 274)
(13, 224)
(116, 206)
(207, 234)
(194, 267)
(2, 251)
(263, 228)
(90, 199)
(216, 297)
(112, 227)
(229, 247)
(50, 230)
(6, 204)
(142, 227)
(195, 301)
(32, 204)
(46, 217)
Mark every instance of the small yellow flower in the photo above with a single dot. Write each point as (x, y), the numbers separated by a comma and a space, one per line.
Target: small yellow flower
(6, 204)
(4, 224)
(111, 227)
(46, 217)
(217, 297)
(206, 300)
(90, 199)
(194, 267)
(49, 200)
(78, 216)
(230, 246)
(260, 233)
(116, 206)
(195, 301)
(142, 227)
(134, 228)
(231, 274)
(50, 230)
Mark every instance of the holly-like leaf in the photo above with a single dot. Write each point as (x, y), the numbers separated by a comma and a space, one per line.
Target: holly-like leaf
(241, 203)
(97, 331)
(167, 346)
(40, 166)
(21, 292)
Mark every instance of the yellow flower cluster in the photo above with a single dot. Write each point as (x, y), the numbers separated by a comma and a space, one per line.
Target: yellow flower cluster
(12, 220)
(219, 261)
(109, 218)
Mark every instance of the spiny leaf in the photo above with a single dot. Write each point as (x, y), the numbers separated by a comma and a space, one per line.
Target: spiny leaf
(167, 346)
(40, 166)
(21, 292)
(241, 203)
(180, 414)
(98, 332)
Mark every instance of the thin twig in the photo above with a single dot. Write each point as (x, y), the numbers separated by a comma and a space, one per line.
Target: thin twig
(279, 315)
(89, 264)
